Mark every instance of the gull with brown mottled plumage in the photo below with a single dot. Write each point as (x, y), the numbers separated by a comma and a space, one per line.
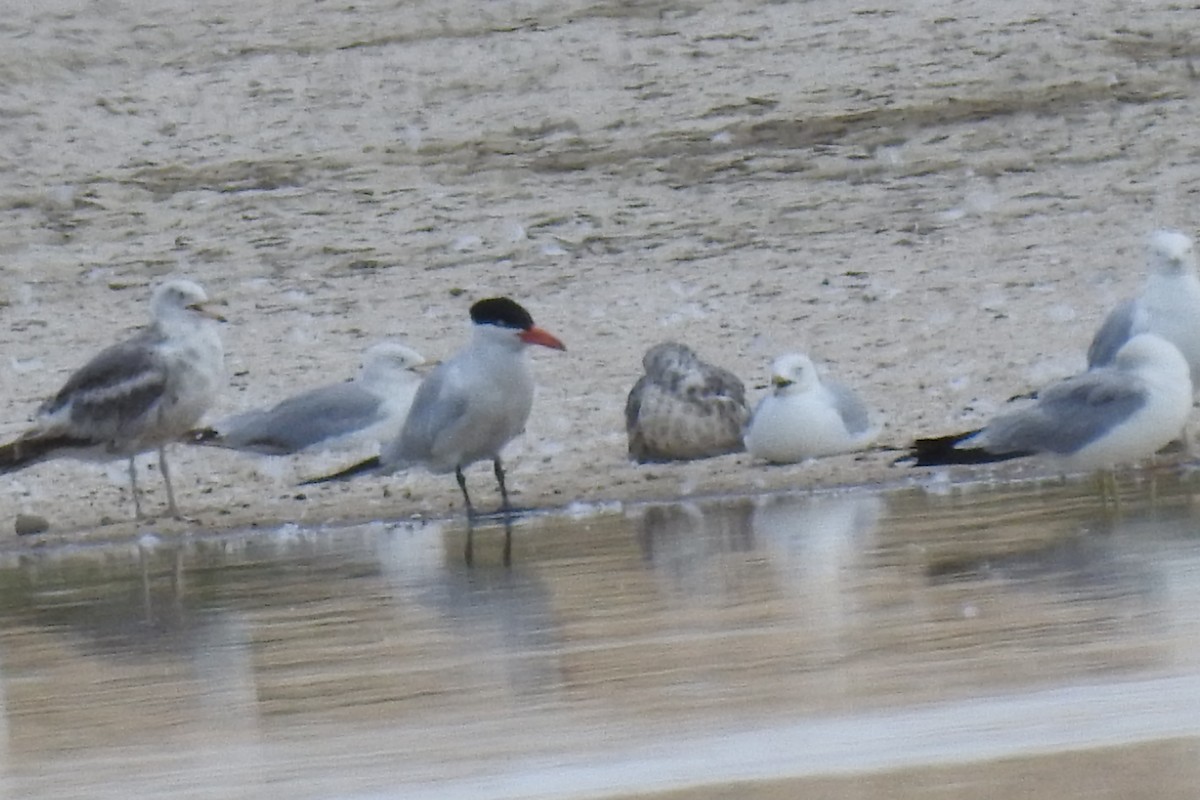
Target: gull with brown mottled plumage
(683, 408)
(134, 396)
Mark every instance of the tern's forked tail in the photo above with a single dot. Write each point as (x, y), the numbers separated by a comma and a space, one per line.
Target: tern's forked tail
(369, 465)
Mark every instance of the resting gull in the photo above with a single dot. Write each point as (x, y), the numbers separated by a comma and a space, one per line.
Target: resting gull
(683, 408)
(805, 416)
(1168, 305)
(339, 416)
(1095, 420)
(136, 395)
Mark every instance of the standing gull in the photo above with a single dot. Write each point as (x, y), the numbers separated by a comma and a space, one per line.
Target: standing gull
(806, 417)
(1168, 305)
(1091, 421)
(136, 395)
(369, 409)
(470, 406)
(683, 408)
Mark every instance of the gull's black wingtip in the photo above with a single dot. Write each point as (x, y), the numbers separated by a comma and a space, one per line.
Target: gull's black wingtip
(938, 451)
(369, 465)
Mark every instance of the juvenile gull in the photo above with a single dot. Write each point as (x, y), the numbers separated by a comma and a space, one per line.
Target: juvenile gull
(369, 409)
(136, 395)
(1168, 305)
(1091, 421)
(806, 417)
(683, 408)
(470, 406)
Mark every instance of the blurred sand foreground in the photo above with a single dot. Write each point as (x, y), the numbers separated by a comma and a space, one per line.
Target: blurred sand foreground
(938, 200)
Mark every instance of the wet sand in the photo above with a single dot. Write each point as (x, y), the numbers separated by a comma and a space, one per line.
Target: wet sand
(1116, 773)
(938, 201)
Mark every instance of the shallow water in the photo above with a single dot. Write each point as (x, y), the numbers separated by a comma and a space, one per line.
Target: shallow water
(843, 645)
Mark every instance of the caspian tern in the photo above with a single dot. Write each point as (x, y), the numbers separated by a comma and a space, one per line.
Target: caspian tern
(1168, 305)
(365, 411)
(470, 406)
(805, 416)
(1095, 420)
(683, 408)
(134, 396)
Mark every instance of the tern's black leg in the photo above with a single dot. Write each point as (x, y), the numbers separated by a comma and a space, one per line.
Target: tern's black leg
(469, 550)
(507, 541)
(499, 470)
(462, 484)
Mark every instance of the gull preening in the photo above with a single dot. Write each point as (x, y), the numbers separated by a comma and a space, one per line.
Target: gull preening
(805, 416)
(683, 408)
(470, 406)
(134, 396)
(1168, 305)
(365, 411)
(1095, 420)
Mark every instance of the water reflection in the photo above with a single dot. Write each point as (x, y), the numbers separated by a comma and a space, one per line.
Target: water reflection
(372, 661)
(688, 544)
(502, 617)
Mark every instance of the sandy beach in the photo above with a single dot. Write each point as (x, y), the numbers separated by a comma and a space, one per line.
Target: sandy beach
(938, 201)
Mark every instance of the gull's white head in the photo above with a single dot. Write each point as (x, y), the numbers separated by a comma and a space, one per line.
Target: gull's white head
(793, 373)
(180, 296)
(1171, 252)
(389, 358)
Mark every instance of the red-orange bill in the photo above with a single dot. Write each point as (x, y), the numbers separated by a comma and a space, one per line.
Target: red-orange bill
(536, 335)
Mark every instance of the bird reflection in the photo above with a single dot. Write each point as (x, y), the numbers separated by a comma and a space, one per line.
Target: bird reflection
(817, 535)
(683, 542)
(496, 613)
(1092, 565)
(815, 544)
(119, 603)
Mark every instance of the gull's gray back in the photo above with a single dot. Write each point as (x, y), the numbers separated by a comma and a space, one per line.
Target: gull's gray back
(1115, 331)
(315, 418)
(1069, 415)
(113, 394)
(849, 407)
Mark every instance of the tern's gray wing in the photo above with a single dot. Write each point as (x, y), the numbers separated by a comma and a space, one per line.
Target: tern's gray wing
(849, 407)
(303, 421)
(1114, 332)
(114, 392)
(438, 406)
(1068, 415)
